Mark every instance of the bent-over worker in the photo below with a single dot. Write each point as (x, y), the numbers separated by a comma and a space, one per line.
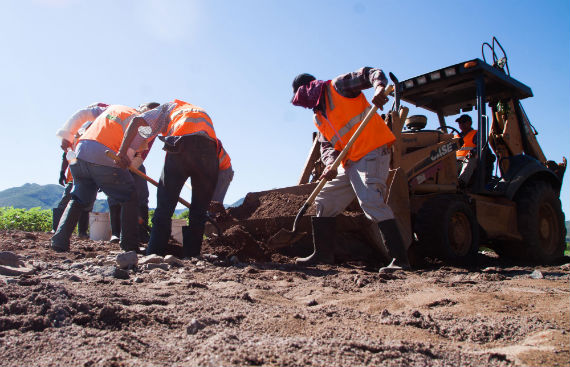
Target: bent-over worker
(339, 107)
(93, 170)
(191, 151)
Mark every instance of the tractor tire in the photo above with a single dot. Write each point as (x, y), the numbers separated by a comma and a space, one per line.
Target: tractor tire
(540, 221)
(446, 227)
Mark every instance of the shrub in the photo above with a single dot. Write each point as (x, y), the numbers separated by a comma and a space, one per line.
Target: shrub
(31, 220)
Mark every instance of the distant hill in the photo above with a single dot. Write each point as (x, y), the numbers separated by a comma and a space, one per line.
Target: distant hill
(44, 196)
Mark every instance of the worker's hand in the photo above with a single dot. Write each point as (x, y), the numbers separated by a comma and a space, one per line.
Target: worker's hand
(62, 178)
(379, 98)
(329, 174)
(124, 161)
(65, 144)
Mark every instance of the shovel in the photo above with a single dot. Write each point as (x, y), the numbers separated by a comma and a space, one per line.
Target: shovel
(285, 237)
(136, 171)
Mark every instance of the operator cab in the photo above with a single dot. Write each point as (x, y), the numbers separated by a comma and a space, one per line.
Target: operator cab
(460, 88)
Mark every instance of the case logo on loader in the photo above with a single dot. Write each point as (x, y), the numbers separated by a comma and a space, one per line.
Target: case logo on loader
(443, 150)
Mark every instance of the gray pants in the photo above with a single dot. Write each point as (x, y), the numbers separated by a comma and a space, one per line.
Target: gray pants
(365, 179)
(224, 178)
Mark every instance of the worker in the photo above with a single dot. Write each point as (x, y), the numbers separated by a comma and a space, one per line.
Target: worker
(93, 170)
(66, 180)
(69, 133)
(141, 186)
(465, 164)
(225, 177)
(339, 106)
(191, 151)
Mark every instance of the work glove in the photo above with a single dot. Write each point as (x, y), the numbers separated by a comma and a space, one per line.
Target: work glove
(62, 178)
(329, 174)
(65, 144)
(379, 98)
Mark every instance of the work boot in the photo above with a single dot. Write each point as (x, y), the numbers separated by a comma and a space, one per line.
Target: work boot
(83, 225)
(143, 224)
(324, 233)
(67, 223)
(129, 239)
(192, 236)
(115, 216)
(56, 216)
(395, 245)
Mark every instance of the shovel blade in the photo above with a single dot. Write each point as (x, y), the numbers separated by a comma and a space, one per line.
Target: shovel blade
(284, 238)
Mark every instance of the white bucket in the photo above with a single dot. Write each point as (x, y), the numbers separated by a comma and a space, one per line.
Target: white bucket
(99, 226)
(177, 225)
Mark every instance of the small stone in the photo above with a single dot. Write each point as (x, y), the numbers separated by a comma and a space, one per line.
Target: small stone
(10, 259)
(173, 260)
(127, 260)
(15, 271)
(210, 257)
(152, 266)
(77, 266)
(152, 259)
(138, 280)
(200, 263)
(114, 272)
(194, 327)
(565, 266)
(246, 297)
(537, 274)
(234, 260)
(74, 278)
(312, 302)
(491, 269)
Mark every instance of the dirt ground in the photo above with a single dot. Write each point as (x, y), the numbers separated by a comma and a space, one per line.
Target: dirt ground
(242, 303)
(77, 308)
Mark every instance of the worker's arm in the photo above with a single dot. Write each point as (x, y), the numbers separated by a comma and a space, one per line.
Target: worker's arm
(73, 124)
(64, 165)
(130, 134)
(352, 84)
(328, 156)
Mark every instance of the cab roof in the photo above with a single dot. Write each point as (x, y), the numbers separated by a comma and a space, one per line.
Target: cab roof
(454, 88)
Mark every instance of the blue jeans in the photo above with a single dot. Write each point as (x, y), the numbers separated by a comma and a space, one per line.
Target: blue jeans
(117, 183)
(193, 156)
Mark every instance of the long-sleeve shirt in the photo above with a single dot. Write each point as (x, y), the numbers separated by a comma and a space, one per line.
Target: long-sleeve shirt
(72, 126)
(349, 85)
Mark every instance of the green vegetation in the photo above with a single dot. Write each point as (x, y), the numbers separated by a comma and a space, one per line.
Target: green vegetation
(32, 220)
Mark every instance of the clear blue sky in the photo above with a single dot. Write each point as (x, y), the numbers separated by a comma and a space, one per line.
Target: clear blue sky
(237, 59)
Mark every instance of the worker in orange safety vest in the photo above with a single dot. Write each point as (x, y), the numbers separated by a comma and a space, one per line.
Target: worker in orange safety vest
(92, 170)
(466, 161)
(339, 106)
(191, 149)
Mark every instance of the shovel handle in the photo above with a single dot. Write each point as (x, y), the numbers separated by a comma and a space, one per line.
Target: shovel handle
(136, 171)
(348, 145)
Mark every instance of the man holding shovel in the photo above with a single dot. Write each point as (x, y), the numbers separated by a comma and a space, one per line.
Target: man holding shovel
(339, 107)
(93, 169)
(191, 151)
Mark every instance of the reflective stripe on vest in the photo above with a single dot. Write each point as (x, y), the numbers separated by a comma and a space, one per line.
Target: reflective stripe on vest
(343, 116)
(187, 119)
(468, 144)
(224, 160)
(109, 127)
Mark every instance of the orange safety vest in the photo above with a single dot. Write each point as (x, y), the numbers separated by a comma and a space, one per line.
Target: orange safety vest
(109, 127)
(344, 115)
(223, 158)
(187, 119)
(468, 144)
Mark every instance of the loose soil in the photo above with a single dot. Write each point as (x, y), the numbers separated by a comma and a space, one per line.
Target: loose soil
(238, 306)
(243, 304)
